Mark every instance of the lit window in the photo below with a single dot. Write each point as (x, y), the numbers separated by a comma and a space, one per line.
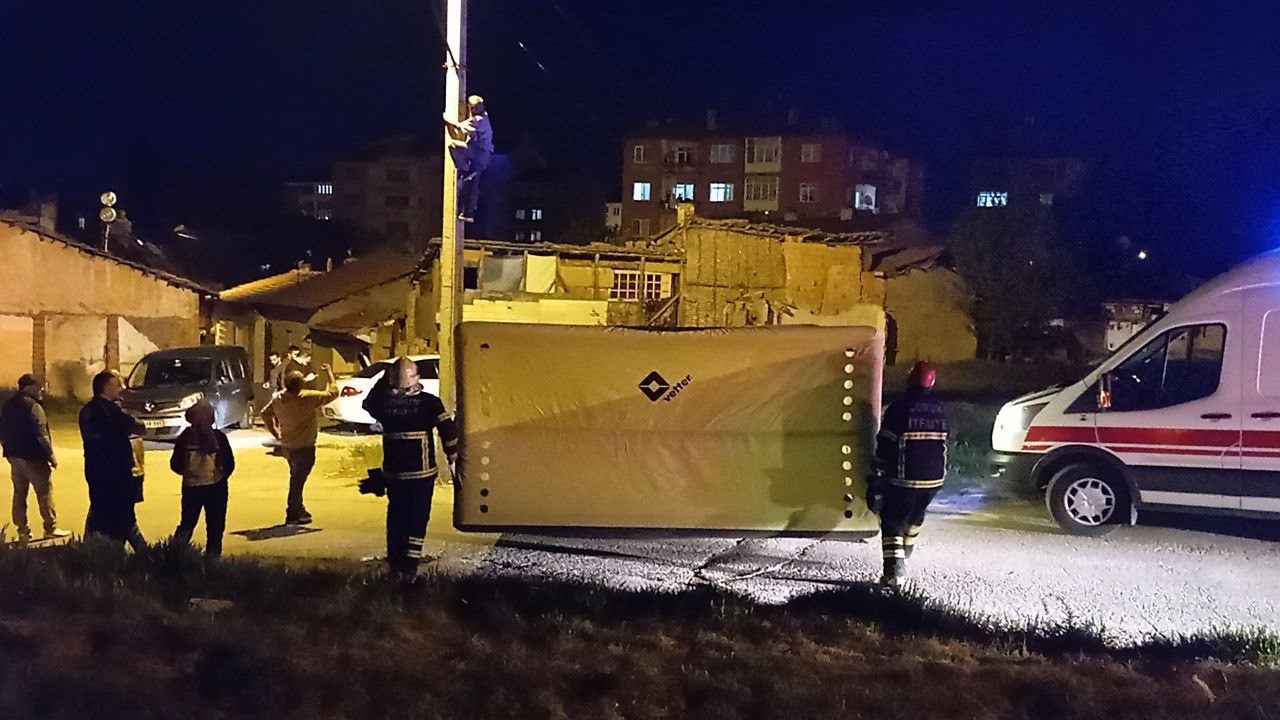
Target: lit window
(808, 193)
(640, 227)
(324, 189)
(640, 191)
(722, 153)
(764, 149)
(1046, 198)
(80, 223)
(683, 155)
(535, 236)
(682, 191)
(520, 214)
(615, 211)
(993, 198)
(760, 187)
(638, 154)
(721, 192)
(864, 197)
(810, 153)
(535, 214)
(520, 236)
(324, 215)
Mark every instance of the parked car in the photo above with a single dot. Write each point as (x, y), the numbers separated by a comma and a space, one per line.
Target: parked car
(166, 382)
(1183, 417)
(348, 407)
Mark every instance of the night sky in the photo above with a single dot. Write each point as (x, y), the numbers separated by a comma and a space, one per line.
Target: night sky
(199, 107)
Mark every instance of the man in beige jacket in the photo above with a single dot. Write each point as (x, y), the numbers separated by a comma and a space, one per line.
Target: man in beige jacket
(292, 417)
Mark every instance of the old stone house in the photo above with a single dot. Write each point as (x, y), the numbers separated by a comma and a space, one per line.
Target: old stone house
(68, 310)
(737, 273)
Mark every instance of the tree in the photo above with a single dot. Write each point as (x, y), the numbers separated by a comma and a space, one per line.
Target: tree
(1019, 268)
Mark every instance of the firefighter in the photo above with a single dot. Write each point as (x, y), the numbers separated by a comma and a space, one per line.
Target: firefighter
(408, 415)
(910, 465)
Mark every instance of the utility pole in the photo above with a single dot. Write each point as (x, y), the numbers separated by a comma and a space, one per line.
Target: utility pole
(452, 235)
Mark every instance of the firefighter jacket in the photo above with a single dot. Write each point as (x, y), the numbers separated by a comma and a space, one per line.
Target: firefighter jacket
(911, 448)
(408, 444)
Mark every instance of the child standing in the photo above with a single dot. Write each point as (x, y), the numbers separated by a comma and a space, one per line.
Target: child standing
(203, 457)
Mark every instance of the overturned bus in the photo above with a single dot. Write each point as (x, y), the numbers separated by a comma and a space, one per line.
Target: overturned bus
(616, 431)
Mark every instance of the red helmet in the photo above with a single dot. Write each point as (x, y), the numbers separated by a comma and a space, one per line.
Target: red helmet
(923, 376)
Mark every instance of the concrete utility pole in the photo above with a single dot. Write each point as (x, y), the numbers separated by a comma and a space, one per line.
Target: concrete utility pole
(452, 235)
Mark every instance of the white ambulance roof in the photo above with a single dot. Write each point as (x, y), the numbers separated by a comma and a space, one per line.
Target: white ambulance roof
(1261, 271)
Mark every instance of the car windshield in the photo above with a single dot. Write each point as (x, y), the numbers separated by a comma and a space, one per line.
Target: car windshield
(373, 370)
(161, 372)
(428, 369)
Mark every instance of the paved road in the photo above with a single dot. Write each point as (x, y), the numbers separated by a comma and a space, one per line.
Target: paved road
(1004, 560)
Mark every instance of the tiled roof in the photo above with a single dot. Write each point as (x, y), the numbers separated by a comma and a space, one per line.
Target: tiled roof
(166, 277)
(321, 289)
(749, 227)
(266, 285)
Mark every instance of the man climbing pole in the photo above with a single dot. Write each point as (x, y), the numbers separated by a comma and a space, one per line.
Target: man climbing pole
(910, 465)
(471, 145)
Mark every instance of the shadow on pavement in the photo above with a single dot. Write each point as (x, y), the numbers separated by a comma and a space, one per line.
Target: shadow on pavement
(275, 531)
(1247, 528)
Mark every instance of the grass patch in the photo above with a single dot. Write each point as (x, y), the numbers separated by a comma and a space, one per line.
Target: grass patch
(87, 631)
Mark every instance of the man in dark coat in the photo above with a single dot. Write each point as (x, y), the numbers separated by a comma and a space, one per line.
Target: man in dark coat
(109, 462)
(24, 432)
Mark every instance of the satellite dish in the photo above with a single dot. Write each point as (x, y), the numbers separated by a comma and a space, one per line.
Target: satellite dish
(107, 214)
(108, 199)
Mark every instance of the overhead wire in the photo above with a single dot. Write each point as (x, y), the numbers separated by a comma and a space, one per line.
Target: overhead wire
(573, 98)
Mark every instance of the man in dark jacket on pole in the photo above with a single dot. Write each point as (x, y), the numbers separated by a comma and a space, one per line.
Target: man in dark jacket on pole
(408, 415)
(910, 465)
(24, 432)
(109, 462)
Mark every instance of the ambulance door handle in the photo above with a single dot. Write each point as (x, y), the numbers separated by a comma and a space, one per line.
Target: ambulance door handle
(1266, 415)
(1216, 416)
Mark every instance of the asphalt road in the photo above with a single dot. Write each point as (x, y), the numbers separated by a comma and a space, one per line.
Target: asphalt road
(1005, 560)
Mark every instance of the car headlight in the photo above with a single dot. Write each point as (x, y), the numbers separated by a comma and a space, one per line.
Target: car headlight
(190, 400)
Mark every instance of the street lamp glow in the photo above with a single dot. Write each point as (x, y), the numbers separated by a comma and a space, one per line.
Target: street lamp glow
(1142, 254)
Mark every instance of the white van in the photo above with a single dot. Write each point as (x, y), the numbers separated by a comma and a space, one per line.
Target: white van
(1183, 417)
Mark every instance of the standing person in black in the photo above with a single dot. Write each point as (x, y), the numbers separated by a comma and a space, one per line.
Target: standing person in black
(202, 456)
(24, 432)
(408, 415)
(114, 487)
(910, 465)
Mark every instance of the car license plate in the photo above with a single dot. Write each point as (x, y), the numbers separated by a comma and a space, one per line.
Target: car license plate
(153, 424)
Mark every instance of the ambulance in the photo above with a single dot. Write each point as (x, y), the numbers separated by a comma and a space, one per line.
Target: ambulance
(1184, 417)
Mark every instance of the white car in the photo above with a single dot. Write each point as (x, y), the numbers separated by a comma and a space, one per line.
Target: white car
(352, 391)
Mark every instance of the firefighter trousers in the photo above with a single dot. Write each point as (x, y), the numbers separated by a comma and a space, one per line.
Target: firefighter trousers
(408, 510)
(901, 516)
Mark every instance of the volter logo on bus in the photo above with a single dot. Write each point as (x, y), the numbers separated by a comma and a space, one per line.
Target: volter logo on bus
(655, 387)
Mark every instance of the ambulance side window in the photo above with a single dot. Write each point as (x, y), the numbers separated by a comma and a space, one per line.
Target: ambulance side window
(1182, 365)
(1269, 357)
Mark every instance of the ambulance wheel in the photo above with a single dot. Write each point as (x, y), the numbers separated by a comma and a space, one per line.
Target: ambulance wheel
(1086, 499)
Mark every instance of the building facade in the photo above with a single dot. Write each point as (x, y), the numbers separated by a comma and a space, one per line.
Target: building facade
(391, 191)
(313, 199)
(793, 174)
(1043, 180)
(69, 311)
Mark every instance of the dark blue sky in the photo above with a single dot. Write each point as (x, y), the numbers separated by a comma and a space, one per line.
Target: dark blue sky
(197, 104)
